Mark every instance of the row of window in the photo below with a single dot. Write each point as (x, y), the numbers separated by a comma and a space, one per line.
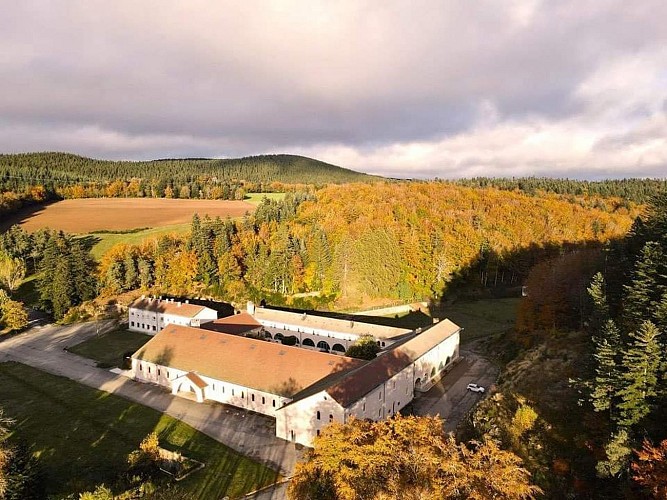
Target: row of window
(144, 326)
(252, 396)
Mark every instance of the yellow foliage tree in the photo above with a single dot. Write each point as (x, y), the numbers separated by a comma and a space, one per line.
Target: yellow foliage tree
(408, 458)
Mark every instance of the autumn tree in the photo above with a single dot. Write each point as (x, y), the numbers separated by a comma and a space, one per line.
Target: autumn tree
(12, 271)
(406, 457)
(649, 469)
(13, 315)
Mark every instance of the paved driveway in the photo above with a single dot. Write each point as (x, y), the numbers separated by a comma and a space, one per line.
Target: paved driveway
(251, 434)
(449, 398)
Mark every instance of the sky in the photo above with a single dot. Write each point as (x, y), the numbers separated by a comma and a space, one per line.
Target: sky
(412, 89)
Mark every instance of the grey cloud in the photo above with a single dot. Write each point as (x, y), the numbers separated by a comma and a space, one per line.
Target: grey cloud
(165, 78)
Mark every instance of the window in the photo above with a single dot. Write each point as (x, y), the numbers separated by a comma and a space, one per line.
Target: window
(380, 395)
(318, 414)
(153, 327)
(223, 389)
(263, 400)
(158, 372)
(213, 386)
(330, 418)
(318, 432)
(167, 373)
(274, 403)
(363, 408)
(132, 323)
(380, 412)
(232, 392)
(140, 367)
(242, 395)
(149, 369)
(252, 397)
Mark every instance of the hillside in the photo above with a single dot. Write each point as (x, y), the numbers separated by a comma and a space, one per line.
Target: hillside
(58, 169)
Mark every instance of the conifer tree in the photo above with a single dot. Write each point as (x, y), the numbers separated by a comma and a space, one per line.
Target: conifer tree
(648, 284)
(641, 364)
(607, 377)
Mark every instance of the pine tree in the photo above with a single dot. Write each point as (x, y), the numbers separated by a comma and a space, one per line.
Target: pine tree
(648, 284)
(600, 314)
(607, 378)
(131, 272)
(641, 364)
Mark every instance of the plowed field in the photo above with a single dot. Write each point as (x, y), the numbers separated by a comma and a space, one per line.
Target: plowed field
(86, 215)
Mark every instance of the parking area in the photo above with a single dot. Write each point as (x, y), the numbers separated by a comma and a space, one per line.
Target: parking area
(450, 398)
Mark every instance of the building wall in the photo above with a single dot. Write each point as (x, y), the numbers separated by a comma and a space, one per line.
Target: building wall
(434, 364)
(302, 421)
(216, 390)
(386, 399)
(151, 322)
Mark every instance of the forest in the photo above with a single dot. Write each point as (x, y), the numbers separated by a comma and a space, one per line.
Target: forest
(352, 246)
(584, 370)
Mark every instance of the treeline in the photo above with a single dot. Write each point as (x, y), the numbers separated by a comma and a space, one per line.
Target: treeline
(36, 177)
(636, 190)
(357, 242)
(60, 169)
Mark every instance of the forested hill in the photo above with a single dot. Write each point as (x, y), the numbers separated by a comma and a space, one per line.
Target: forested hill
(58, 169)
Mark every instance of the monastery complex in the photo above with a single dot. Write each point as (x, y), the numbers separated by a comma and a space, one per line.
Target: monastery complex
(243, 360)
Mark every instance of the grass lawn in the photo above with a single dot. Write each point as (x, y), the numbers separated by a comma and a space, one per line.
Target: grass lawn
(102, 242)
(256, 198)
(83, 436)
(108, 349)
(482, 317)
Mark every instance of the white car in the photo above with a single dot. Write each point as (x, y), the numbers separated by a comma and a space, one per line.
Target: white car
(475, 388)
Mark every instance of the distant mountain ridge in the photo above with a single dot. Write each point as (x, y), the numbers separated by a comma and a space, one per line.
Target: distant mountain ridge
(18, 170)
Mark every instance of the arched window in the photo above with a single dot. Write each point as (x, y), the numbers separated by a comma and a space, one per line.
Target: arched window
(322, 345)
(318, 414)
(338, 348)
(308, 342)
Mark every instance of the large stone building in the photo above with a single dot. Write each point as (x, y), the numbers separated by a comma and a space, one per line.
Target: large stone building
(150, 315)
(303, 390)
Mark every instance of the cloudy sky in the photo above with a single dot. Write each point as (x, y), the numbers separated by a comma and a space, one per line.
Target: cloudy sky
(407, 89)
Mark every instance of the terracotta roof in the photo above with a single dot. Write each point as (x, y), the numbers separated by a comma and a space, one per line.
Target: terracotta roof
(332, 324)
(358, 383)
(168, 307)
(257, 364)
(237, 324)
(196, 379)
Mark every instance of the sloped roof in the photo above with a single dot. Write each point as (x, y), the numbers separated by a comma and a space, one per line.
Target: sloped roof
(236, 324)
(257, 364)
(358, 383)
(196, 379)
(168, 307)
(306, 320)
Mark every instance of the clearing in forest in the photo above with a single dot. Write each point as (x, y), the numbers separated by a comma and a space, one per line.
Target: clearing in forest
(95, 214)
